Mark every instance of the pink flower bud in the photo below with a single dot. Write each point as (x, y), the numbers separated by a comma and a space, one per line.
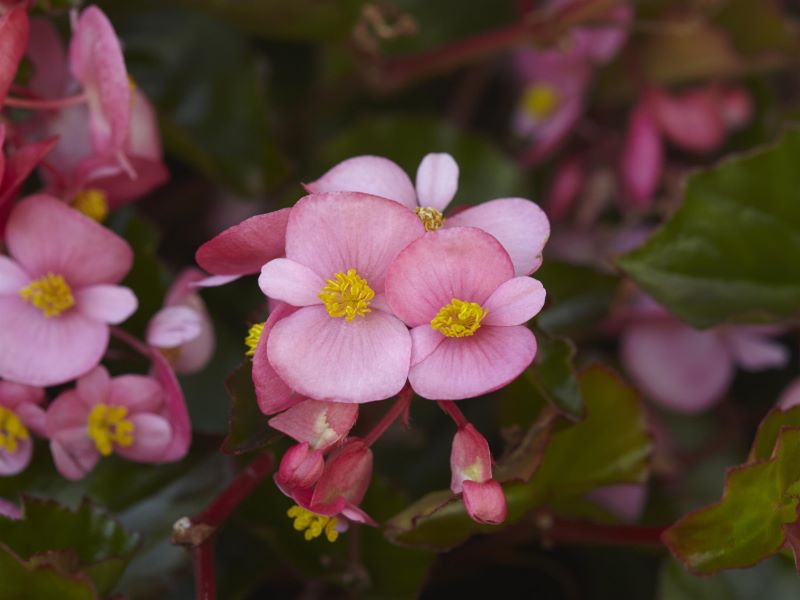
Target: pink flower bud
(736, 107)
(691, 121)
(321, 424)
(346, 477)
(485, 502)
(301, 467)
(13, 40)
(565, 187)
(470, 458)
(642, 157)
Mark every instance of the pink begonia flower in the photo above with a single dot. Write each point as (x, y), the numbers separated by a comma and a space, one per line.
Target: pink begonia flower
(688, 370)
(58, 292)
(518, 224)
(599, 41)
(457, 290)
(692, 120)
(343, 344)
(642, 158)
(319, 424)
(13, 40)
(10, 510)
(104, 415)
(20, 416)
(183, 330)
(471, 466)
(332, 503)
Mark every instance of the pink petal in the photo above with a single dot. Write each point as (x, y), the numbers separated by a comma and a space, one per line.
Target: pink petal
(46, 236)
(332, 359)
(196, 354)
(174, 326)
(94, 387)
(320, 424)
(14, 394)
(291, 282)
(74, 458)
(272, 393)
(216, 281)
(424, 340)
(12, 463)
(680, 368)
(13, 40)
(33, 417)
(19, 165)
(184, 286)
(174, 411)
(95, 59)
(460, 262)
(565, 187)
(736, 106)
(518, 224)
(755, 352)
(476, 365)
(106, 303)
(642, 158)
(246, 247)
(48, 58)
(437, 180)
(470, 458)
(485, 502)
(691, 121)
(373, 175)
(790, 396)
(12, 277)
(151, 437)
(139, 394)
(104, 173)
(10, 510)
(67, 412)
(625, 500)
(337, 231)
(514, 302)
(45, 351)
(347, 475)
(300, 467)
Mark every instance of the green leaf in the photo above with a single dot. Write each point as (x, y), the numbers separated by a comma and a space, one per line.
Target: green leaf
(769, 431)
(577, 297)
(21, 580)
(757, 27)
(248, 430)
(746, 526)
(101, 546)
(609, 446)
(554, 375)
(730, 252)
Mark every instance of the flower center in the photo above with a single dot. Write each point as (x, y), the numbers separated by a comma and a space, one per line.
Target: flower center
(12, 431)
(108, 426)
(347, 295)
(459, 319)
(51, 294)
(540, 100)
(93, 203)
(431, 218)
(313, 524)
(253, 337)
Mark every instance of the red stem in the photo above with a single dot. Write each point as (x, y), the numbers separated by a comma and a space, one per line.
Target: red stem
(398, 408)
(564, 531)
(41, 104)
(204, 572)
(449, 407)
(132, 341)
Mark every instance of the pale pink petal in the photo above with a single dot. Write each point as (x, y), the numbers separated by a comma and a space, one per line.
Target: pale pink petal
(485, 502)
(565, 186)
(691, 120)
(424, 340)
(736, 106)
(356, 514)
(246, 247)
(12, 277)
(12, 463)
(94, 387)
(371, 175)
(19, 165)
(291, 282)
(111, 304)
(151, 437)
(320, 424)
(184, 286)
(45, 351)
(332, 359)
(67, 412)
(680, 368)
(514, 302)
(518, 224)
(74, 458)
(174, 410)
(48, 58)
(755, 352)
(338, 231)
(790, 396)
(347, 475)
(642, 157)
(13, 40)
(626, 500)
(33, 417)
(13, 394)
(10, 510)
(476, 365)
(174, 326)
(46, 236)
(272, 393)
(216, 280)
(437, 180)
(196, 354)
(470, 458)
(462, 263)
(106, 174)
(139, 394)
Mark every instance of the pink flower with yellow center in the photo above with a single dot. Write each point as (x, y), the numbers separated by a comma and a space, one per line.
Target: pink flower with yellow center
(457, 290)
(343, 344)
(58, 292)
(104, 415)
(21, 415)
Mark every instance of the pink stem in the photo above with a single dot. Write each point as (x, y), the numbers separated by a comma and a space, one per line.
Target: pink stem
(449, 407)
(398, 408)
(38, 104)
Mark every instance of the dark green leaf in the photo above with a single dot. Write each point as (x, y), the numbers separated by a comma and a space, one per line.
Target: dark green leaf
(756, 27)
(248, 430)
(20, 580)
(554, 375)
(730, 252)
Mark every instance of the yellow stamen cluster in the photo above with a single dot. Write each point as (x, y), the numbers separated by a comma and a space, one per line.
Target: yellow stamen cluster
(108, 426)
(12, 431)
(540, 101)
(93, 203)
(50, 294)
(431, 218)
(347, 295)
(253, 337)
(459, 319)
(313, 524)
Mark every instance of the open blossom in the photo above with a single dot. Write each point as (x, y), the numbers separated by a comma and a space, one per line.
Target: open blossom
(343, 344)
(58, 292)
(457, 290)
(182, 330)
(518, 224)
(21, 415)
(104, 415)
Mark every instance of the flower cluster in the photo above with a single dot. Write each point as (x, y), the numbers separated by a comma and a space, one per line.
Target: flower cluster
(375, 292)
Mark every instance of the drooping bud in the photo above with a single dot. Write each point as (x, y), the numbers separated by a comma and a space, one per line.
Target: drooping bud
(485, 502)
(642, 157)
(691, 121)
(345, 479)
(470, 458)
(565, 187)
(301, 467)
(321, 424)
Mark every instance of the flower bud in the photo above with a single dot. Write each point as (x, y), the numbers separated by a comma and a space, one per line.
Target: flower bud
(346, 476)
(642, 157)
(485, 502)
(470, 458)
(300, 467)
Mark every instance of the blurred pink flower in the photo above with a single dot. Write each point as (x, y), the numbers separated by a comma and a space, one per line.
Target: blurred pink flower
(20, 415)
(343, 344)
(471, 466)
(625, 500)
(104, 415)
(57, 292)
(518, 224)
(642, 158)
(13, 40)
(457, 290)
(10, 510)
(790, 396)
